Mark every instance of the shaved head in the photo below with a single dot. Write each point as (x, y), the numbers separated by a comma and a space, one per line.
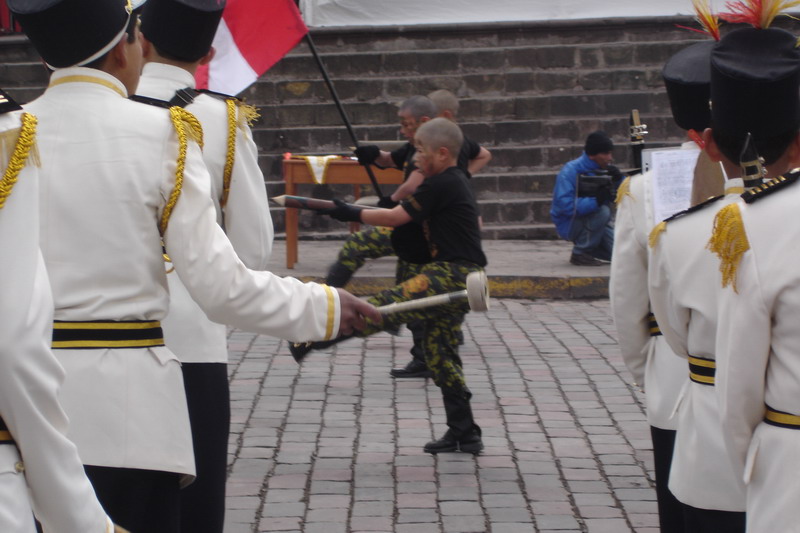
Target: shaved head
(440, 132)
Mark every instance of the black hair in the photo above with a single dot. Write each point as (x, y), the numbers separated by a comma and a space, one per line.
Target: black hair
(130, 37)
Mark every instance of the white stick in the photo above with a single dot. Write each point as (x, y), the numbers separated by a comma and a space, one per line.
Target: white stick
(422, 303)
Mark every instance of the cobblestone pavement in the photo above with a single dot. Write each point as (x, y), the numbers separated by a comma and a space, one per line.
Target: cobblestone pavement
(335, 446)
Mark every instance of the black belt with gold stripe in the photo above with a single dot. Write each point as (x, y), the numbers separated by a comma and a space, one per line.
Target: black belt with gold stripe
(655, 331)
(781, 419)
(107, 334)
(701, 370)
(5, 435)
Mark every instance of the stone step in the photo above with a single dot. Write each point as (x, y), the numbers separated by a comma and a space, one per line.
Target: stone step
(607, 32)
(506, 212)
(488, 232)
(576, 105)
(466, 57)
(485, 186)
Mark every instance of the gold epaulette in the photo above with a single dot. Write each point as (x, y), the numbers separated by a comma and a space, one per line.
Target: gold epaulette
(186, 126)
(240, 115)
(248, 114)
(729, 241)
(623, 190)
(24, 146)
(656, 232)
(771, 186)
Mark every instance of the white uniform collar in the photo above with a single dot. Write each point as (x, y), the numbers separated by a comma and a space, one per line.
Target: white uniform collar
(72, 75)
(734, 186)
(177, 75)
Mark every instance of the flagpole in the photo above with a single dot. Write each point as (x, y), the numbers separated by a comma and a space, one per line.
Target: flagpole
(342, 112)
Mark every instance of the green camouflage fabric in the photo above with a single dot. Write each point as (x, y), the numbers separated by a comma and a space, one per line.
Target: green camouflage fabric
(441, 324)
(370, 243)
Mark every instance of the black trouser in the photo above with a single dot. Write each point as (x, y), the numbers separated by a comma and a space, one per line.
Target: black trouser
(141, 501)
(670, 510)
(713, 521)
(202, 503)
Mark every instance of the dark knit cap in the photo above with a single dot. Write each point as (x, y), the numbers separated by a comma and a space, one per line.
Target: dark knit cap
(598, 143)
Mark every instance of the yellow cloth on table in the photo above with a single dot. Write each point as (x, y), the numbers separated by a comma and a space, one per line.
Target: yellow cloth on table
(318, 164)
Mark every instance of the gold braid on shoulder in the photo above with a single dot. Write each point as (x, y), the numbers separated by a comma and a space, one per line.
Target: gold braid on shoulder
(186, 125)
(230, 154)
(729, 242)
(623, 190)
(25, 142)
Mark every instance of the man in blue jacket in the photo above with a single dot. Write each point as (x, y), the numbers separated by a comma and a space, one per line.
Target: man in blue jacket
(585, 220)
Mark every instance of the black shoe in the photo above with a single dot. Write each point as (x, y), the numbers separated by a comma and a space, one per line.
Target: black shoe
(414, 369)
(299, 350)
(469, 443)
(584, 260)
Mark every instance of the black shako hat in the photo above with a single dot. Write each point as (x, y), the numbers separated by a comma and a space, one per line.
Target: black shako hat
(184, 29)
(687, 77)
(69, 33)
(598, 143)
(755, 76)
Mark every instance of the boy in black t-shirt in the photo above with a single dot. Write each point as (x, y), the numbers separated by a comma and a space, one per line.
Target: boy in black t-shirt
(445, 206)
(408, 241)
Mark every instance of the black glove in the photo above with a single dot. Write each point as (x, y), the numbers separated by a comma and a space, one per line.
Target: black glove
(342, 212)
(603, 196)
(386, 202)
(367, 154)
(615, 173)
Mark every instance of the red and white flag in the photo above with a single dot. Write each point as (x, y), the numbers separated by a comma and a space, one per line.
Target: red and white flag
(252, 36)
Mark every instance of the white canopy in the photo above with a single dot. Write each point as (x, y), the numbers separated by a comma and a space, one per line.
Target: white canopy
(408, 12)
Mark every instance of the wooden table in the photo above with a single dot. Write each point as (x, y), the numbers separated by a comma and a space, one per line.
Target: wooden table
(340, 171)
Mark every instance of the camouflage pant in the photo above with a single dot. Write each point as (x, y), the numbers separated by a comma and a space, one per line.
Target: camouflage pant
(370, 243)
(440, 324)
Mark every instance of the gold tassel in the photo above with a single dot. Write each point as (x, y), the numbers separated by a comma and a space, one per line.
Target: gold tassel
(729, 242)
(656, 232)
(624, 190)
(248, 114)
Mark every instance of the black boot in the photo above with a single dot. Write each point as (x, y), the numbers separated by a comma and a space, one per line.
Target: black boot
(299, 350)
(416, 368)
(468, 443)
(463, 435)
(338, 275)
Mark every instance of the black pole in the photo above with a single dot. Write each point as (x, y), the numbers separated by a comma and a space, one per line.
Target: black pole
(339, 106)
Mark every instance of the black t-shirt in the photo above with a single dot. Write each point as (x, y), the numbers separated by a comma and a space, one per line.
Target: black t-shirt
(469, 151)
(445, 206)
(408, 240)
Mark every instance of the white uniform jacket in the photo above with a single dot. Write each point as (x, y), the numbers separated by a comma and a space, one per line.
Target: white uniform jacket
(109, 167)
(760, 336)
(685, 283)
(247, 221)
(649, 359)
(30, 376)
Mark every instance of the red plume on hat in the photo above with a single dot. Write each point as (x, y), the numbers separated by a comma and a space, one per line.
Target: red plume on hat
(758, 13)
